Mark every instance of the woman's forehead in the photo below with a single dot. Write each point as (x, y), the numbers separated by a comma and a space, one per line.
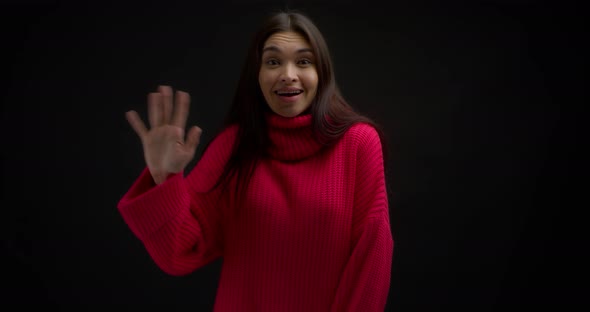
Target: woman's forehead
(285, 39)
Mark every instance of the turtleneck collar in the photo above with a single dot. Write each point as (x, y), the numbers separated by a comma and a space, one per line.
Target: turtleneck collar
(291, 137)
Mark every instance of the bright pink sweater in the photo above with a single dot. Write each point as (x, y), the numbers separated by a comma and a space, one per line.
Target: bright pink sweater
(312, 234)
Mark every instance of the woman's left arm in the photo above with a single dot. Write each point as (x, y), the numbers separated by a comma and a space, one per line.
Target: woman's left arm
(364, 284)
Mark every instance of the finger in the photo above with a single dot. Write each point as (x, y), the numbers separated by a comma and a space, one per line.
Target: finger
(155, 109)
(193, 137)
(136, 123)
(181, 108)
(166, 92)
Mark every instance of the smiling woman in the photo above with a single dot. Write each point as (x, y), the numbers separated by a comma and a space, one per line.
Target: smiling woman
(291, 193)
(288, 78)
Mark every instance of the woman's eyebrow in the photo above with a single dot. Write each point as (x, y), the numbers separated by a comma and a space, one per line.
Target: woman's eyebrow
(273, 48)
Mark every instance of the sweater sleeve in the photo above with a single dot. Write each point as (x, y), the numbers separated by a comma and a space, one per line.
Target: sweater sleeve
(180, 221)
(364, 284)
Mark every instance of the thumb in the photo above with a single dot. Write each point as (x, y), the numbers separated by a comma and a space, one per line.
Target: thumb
(193, 137)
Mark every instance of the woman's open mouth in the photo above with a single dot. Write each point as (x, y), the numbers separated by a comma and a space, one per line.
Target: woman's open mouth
(288, 95)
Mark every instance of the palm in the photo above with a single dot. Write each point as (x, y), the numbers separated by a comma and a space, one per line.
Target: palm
(165, 149)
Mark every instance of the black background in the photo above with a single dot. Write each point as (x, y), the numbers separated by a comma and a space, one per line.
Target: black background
(481, 102)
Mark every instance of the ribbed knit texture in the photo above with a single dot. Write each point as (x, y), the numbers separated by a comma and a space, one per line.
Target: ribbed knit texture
(312, 233)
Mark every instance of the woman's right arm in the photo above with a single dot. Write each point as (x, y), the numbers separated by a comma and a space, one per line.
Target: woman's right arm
(178, 219)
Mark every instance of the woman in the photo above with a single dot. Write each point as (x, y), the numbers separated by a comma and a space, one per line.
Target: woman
(291, 193)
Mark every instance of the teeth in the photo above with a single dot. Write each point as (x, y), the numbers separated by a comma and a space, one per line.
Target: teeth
(289, 92)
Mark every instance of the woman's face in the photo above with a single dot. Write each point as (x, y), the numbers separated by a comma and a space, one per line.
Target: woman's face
(288, 77)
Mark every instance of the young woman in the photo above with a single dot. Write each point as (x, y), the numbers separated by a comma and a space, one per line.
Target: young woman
(291, 193)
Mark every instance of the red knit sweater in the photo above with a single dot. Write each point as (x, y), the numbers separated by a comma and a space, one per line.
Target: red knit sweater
(312, 233)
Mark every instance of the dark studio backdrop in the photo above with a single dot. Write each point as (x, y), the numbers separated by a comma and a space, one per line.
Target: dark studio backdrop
(479, 100)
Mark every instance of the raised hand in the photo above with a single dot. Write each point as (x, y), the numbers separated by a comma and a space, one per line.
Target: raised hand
(165, 148)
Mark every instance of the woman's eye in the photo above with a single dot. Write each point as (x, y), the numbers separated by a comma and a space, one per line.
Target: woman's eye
(272, 62)
(304, 62)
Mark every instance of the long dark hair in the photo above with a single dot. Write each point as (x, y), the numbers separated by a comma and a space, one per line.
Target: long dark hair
(332, 116)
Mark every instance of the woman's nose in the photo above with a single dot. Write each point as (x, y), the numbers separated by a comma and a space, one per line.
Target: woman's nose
(289, 74)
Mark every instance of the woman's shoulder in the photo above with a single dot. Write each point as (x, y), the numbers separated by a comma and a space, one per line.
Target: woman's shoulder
(363, 139)
(362, 132)
(222, 142)
(227, 135)
(228, 132)
(214, 156)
